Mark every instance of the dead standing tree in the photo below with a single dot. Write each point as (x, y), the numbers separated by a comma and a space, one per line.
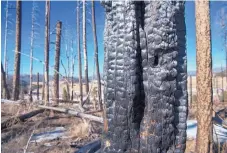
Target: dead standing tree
(34, 7)
(57, 60)
(96, 55)
(17, 61)
(85, 49)
(79, 52)
(5, 91)
(47, 40)
(37, 86)
(204, 136)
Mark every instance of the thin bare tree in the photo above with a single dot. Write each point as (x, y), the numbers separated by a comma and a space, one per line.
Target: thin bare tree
(43, 86)
(222, 21)
(32, 47)
(6, 34)
(191, 90)
(37, 86)
(57, 60)
(204, 136)
(78, 51)
(222, 84)
(47, 40)
(85, 48)
(96, 54)
(5, 91)
(72, 67)
(17, 61)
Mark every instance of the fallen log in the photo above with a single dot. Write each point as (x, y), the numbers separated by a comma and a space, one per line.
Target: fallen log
(75, 113)
(65, 101)
(14, 120)
(90, 147)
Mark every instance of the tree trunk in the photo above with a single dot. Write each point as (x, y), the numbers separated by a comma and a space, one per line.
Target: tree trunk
(47, 37)
(43, 86)
(16, 77)
(204, 136)
(191, 90)
(85, 48)
(6, 36)
(31, 51)
(222, 87)
(37, 86)
(57, 60)
(96, 55)
(79, 53)
(146, 77)
(72, 72)
(5, 90)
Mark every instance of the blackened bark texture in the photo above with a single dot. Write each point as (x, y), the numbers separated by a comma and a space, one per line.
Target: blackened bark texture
(16, 76)
(57, 60)
(204, 137)
(145, 79)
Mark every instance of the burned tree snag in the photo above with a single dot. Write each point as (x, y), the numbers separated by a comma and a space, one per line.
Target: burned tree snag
(145, 77)
(57, 60)
(47, 37)
(204, 138)
(79, 52)
(5, 91)
(96, 55)
(37, 86)
(16, 76)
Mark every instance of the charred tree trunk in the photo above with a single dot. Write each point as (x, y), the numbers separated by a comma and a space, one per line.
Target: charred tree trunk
(85, 48)
(37, 86)
(204, 78)
(47, 39)
(57, 60)
(16, 77)
(31, 51)
(145, 91)
(96, 55)
(79, 53)
(5, 90)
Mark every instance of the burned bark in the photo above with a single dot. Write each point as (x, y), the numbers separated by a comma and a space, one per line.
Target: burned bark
(16, 76)
(204, 89)
(57, 60)
(145, 83)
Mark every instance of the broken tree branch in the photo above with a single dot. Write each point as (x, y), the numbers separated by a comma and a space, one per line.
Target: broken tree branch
(75, 113)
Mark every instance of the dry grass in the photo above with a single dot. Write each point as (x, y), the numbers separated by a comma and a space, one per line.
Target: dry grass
(79, 129)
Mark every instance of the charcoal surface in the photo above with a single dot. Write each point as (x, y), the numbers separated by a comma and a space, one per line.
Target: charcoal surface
(145, 78)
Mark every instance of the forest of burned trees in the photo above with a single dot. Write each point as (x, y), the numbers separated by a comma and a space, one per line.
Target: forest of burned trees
(145, 104)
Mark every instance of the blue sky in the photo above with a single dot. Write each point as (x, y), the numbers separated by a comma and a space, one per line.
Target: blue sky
(65, 12)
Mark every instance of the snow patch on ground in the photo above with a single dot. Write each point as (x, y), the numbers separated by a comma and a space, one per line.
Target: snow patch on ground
(58, 132)
(219, 132)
